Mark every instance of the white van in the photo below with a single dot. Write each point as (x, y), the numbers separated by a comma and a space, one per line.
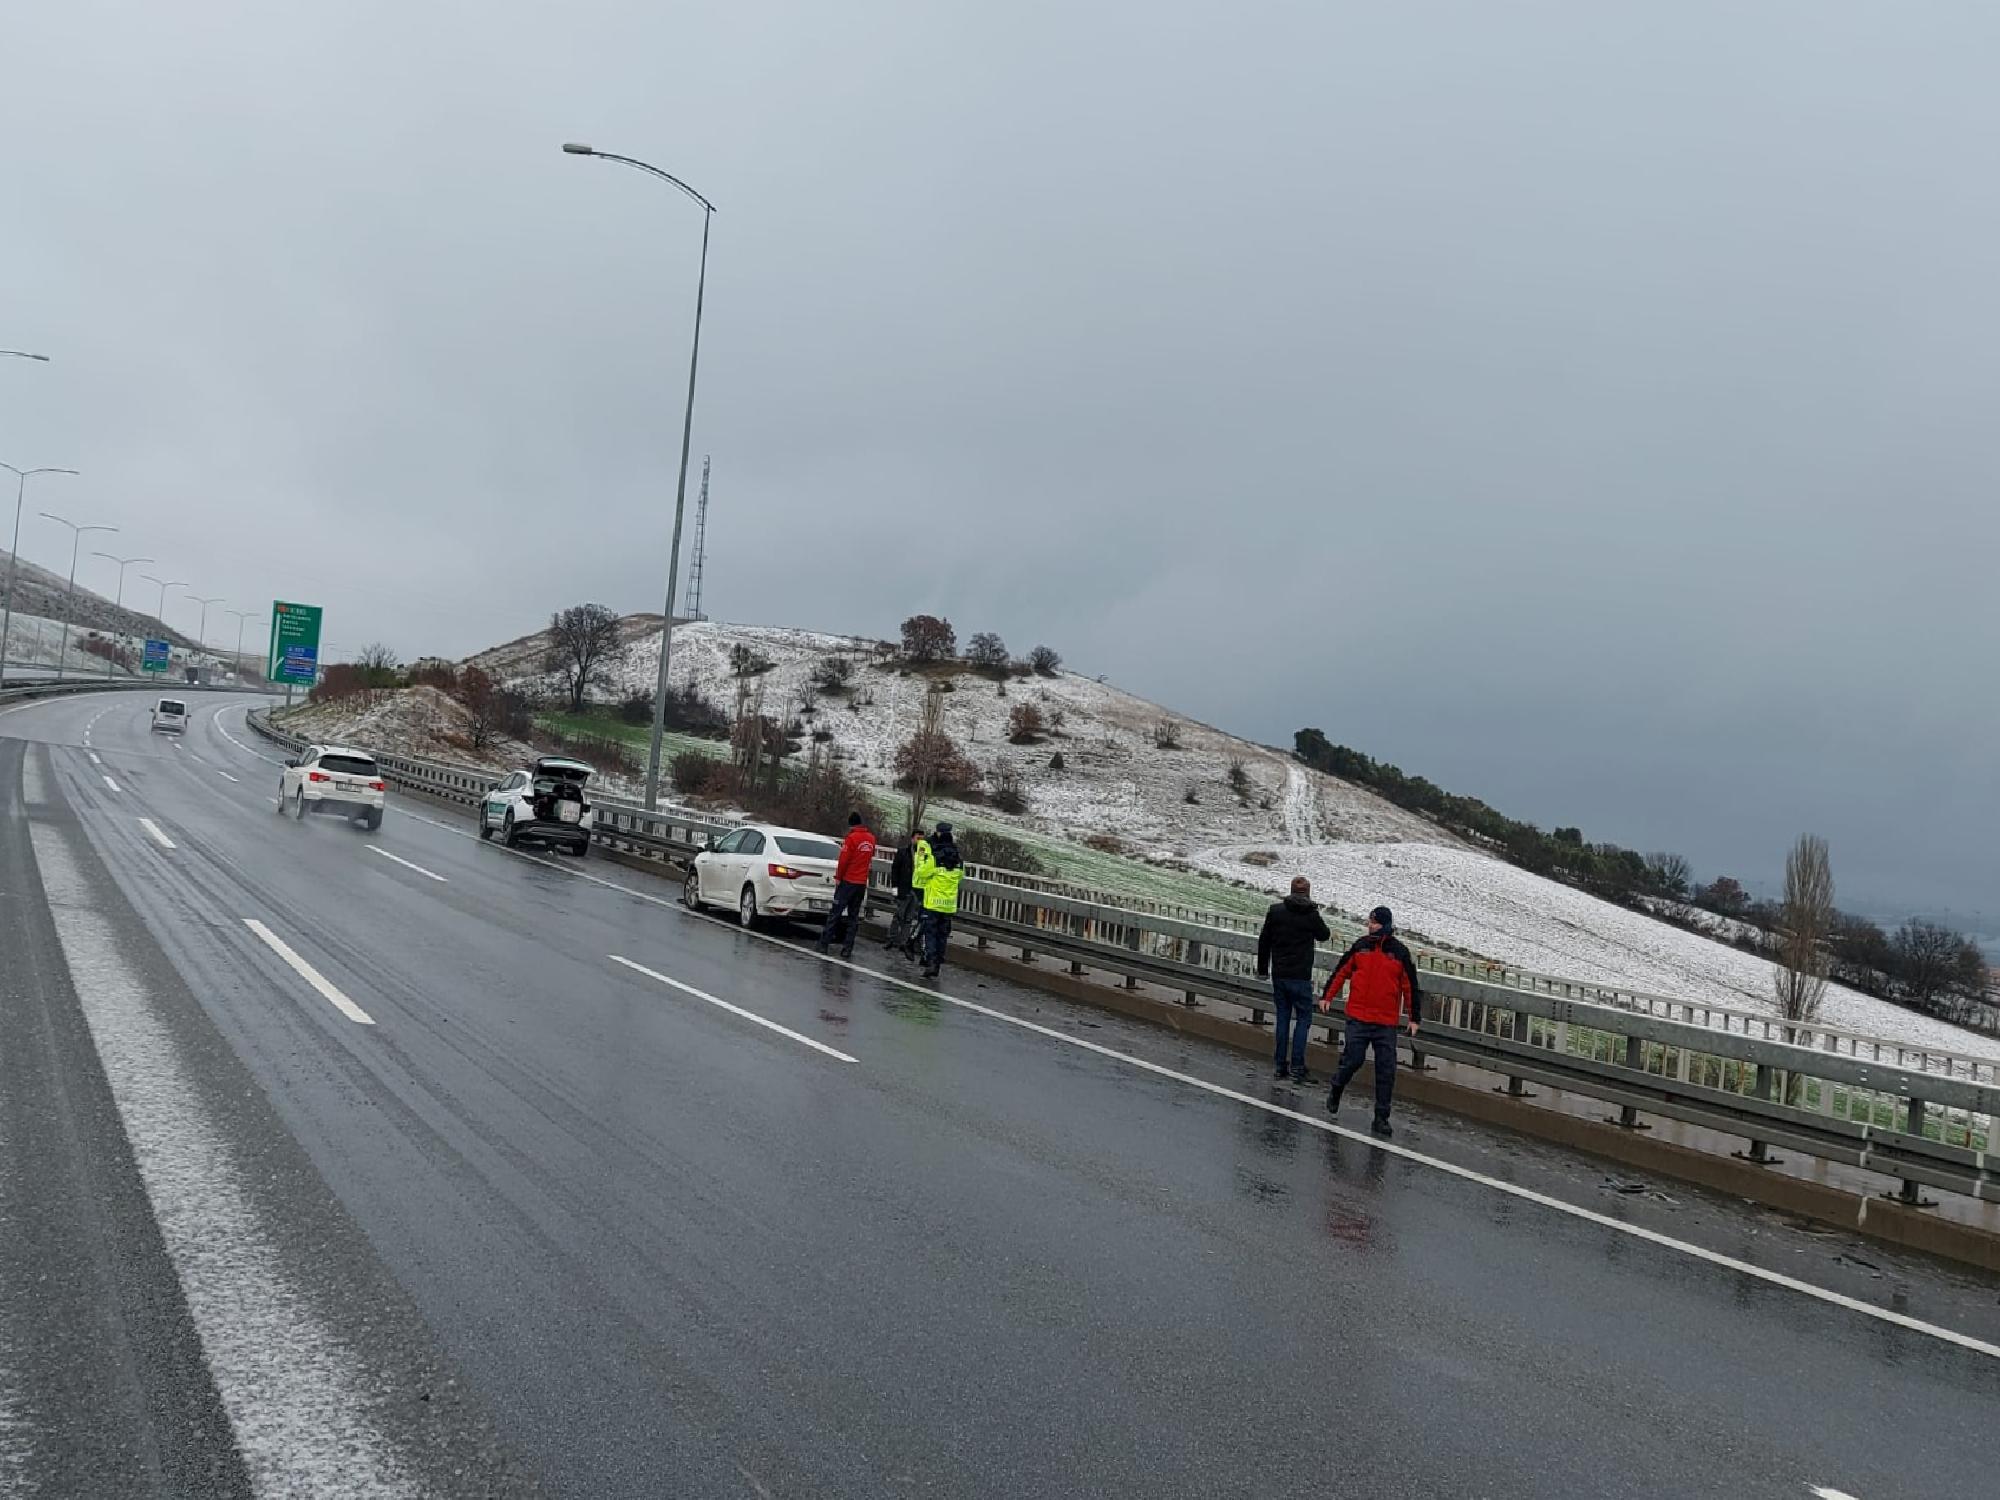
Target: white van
(170, 713)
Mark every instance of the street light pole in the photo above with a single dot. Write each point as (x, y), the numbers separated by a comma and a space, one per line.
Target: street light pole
(69, 603)
(241, 616)
(161, 615)
(123, 564)
(14, 552)
(201, 630)
(687, 431)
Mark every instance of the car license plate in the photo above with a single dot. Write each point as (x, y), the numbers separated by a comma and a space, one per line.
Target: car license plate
(569, 812)
(817, 903)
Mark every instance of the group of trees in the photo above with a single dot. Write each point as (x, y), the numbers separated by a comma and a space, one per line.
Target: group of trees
(1923, 964)
(930, 639)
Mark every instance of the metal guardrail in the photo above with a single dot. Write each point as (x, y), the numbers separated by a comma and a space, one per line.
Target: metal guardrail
(1809, 1094)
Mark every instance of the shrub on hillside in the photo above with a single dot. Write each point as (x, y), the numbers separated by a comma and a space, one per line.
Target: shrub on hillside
(339, 682)
(1057, 763)
(434, 671)
(1044, 660)
(833, 675)
(695, 774)
(1166, 735)
(1006, 793)
(951, 773)
(1025, 724)
(1105, 843)
(981, 846)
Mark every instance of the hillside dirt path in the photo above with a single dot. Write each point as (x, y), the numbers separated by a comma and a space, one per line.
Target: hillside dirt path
(1301, 806)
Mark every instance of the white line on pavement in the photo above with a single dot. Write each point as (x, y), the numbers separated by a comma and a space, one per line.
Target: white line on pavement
(309, 974)
(1651, 1236)
(154, 829)
(112, 784)
(94, 760)
(226, 776)
(734, 1010)
(1829, 1494)
(217, 722)
(407, 865)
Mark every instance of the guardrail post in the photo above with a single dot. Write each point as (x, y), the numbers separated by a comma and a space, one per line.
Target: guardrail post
(1637, 1063)
(1193, 957)
(1910, 1192)
(1759, 1152)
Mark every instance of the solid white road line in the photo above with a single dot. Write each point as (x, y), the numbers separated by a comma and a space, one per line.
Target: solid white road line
(112, 784)
(734, 1010)
(216, 720)
(407, 865)
(94, 760)
(1827, 1494)
(1320, 1122)
(309, 974)
(299, 1400)
(225, 776)
(154, 829)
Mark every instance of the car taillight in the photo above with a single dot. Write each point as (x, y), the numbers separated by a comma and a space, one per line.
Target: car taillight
(378, 786)
(317, 776)
(784, 872)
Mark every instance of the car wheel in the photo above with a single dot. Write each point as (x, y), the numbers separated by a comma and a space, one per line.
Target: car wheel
(746, 907)
(299, 812)
(374, 819)
(581, 848)
(507, 835)
(485, 828)
(281, 796)
(691, 892)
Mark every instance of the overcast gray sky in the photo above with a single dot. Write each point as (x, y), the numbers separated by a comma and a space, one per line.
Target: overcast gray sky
(1588, 406)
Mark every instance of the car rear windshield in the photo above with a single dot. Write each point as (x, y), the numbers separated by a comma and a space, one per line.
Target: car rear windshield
(808, 848)
(173, 706)
(352, 765)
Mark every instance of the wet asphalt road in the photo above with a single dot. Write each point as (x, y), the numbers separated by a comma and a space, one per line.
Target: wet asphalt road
(552, 1223)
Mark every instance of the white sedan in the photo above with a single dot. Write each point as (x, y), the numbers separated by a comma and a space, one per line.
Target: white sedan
(333, 779)
(765, 871)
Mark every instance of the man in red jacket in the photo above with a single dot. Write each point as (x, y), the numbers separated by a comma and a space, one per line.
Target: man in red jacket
(1382, 995)
(850, 886)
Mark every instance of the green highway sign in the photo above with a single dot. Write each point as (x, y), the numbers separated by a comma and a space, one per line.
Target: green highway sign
(294, 643)
(155, 657)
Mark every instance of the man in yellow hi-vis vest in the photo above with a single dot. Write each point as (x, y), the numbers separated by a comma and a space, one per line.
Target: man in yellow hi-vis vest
(938, 873)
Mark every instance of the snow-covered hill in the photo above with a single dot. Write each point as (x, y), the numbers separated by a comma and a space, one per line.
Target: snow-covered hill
(1115, 779)
(1358, 850)
(1472, 901)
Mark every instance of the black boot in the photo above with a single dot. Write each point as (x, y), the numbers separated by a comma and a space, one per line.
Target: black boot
(1380, 1126)
(1333, 1100)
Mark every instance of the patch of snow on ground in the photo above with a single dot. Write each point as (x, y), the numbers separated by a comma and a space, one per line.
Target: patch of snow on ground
(1486, 906)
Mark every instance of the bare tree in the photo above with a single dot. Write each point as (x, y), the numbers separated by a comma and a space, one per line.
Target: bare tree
(1670, 873)
(1045, 660)
(481, 697)
(928, 638)
(1805, 929)
(924, 746)
(583, 645)
(987, 652)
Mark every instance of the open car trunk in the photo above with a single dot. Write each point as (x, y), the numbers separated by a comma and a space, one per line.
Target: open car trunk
(556, 791)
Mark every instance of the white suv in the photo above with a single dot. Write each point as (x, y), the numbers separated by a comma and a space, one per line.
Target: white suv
(170, 713)
(333, 779)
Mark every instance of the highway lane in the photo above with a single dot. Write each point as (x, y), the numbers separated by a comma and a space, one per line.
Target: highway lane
(667, 1248)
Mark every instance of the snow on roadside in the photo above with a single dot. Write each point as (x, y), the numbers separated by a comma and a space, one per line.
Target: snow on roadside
(1486, 906)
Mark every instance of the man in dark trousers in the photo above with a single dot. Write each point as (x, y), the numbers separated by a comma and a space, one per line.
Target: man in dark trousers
(1285, 952)
(1382, 994)
(850, 886)
(909, 900)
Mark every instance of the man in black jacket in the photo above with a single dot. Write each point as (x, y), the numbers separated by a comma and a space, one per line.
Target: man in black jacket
(1285, 952)
(909, 900)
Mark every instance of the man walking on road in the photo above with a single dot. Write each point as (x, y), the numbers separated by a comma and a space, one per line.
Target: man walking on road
(1285, 953)
(1383, 992)
(909, 900)
(850, 886)
(938, 873)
